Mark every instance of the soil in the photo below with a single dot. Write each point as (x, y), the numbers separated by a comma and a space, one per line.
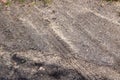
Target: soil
(64, 40)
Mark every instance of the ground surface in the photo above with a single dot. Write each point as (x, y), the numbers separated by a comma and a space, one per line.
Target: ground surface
(66, 40)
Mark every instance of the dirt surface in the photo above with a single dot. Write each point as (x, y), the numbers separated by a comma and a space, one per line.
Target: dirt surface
(65, 40)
